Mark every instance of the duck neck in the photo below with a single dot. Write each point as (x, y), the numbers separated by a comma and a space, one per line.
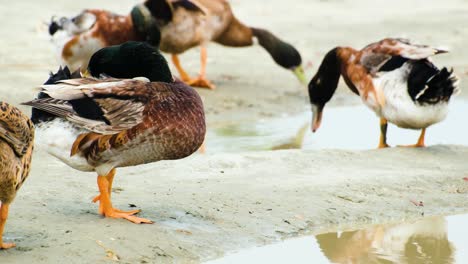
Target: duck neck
(145, 24)
(159, 71)
(283, 53)
(323, 85)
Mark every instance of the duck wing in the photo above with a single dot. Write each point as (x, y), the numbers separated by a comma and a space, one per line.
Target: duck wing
(15, 128)
(102, 106)
(391, 53)
(163, 10)
(192, 5)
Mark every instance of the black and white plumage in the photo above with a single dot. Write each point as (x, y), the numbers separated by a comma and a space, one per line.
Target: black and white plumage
(394, 78)
(416, 93)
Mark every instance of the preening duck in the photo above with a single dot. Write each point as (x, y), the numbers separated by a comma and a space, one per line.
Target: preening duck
(78, 38)
(394, 78)
(102, 124)
(177, 25)
(16, 147)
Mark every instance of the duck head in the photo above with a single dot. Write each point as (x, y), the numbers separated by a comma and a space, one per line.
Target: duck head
(323, 85)
(283, 53)
(129, 60)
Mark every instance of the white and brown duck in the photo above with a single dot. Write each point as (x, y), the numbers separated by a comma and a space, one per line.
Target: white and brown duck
(394, 78)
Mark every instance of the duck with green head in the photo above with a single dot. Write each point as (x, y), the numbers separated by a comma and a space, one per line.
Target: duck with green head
(191, 23)
(101, 124)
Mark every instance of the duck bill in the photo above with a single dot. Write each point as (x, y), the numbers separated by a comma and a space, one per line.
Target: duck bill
(316, 117)
(299, 72)
(86, 74)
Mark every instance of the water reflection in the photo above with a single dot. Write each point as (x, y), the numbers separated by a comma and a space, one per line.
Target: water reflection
(353, 127)
(429, 240)
(424, 241)
(296, 142)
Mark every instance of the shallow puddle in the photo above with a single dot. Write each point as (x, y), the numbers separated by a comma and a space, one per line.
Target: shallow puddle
(354, 127)
(430, 240)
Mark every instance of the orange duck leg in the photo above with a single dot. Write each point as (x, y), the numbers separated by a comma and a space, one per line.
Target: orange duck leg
(105, 205)
(383, 133)
(201, 80)
(183, 74)
(3, 218)
(420, 143)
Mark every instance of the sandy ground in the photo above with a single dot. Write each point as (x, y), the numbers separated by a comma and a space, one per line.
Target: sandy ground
(205, 206)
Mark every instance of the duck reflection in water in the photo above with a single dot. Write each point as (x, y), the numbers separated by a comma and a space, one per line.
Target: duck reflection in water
(424, 241)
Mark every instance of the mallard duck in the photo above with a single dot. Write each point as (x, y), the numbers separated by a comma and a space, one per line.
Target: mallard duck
(16, 147)
(192, 23)
(394, 78)
(102, 124)
(179, 25)
(79, 37)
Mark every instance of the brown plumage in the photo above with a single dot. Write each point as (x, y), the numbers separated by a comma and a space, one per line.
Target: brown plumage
(173, 25)
(94, 29)
(16, 147)
(132, 108)
(197, 22)
(136, 122)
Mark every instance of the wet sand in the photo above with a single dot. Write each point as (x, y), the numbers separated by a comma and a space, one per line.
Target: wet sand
(207, 205)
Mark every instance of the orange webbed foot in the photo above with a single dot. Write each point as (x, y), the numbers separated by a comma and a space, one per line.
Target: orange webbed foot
(417, 145)
(383, 145)
(185, 78)
(105, 205)
(7, 245)
(201, 82)
(101, 208)
(115, 213)
(420, 143)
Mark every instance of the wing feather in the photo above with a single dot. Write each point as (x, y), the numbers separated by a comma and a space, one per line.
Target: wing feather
(15, 128)
(122, 102)
(375, 55)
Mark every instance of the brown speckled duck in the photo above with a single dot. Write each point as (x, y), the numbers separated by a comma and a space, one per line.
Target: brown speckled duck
(16, 147)
(102, 124)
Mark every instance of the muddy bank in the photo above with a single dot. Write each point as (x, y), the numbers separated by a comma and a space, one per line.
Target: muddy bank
(206, 206)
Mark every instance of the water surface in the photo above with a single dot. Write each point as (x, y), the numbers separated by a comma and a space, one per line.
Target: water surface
(429, 240)
(350, 127)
